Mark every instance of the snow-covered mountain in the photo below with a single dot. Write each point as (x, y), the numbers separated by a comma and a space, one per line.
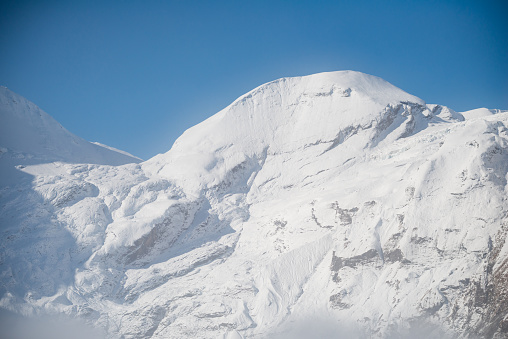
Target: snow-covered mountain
(30, 136)
(331, 205)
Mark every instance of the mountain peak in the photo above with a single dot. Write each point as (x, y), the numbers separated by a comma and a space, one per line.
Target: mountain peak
(301, 109)
(341, 83)
(30, 136)
(292, 114)
(373, 87)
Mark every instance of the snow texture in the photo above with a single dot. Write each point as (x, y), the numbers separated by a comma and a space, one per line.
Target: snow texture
(331, 205)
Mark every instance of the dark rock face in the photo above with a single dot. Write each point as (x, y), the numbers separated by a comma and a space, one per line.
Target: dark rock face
(338, 262)
(336, 302)
(395, 255)
(489, 297)
(365, 258)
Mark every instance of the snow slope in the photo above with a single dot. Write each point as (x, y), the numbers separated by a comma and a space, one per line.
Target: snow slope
(30, 136)
(331, 205)
(481, 112)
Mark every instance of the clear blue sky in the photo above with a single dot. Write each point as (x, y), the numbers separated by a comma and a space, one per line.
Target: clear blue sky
(136, 74)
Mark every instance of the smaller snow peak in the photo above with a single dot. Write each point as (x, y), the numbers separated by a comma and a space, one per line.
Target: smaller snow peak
(445, 113)
(27, 129)
(481, 113)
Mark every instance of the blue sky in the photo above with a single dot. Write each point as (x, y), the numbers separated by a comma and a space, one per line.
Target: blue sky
(135, 75)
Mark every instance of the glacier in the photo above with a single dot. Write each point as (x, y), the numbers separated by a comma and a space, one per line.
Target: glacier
(329, 205)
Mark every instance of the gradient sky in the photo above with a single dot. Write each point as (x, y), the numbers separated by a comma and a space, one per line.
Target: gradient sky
(136, 74)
